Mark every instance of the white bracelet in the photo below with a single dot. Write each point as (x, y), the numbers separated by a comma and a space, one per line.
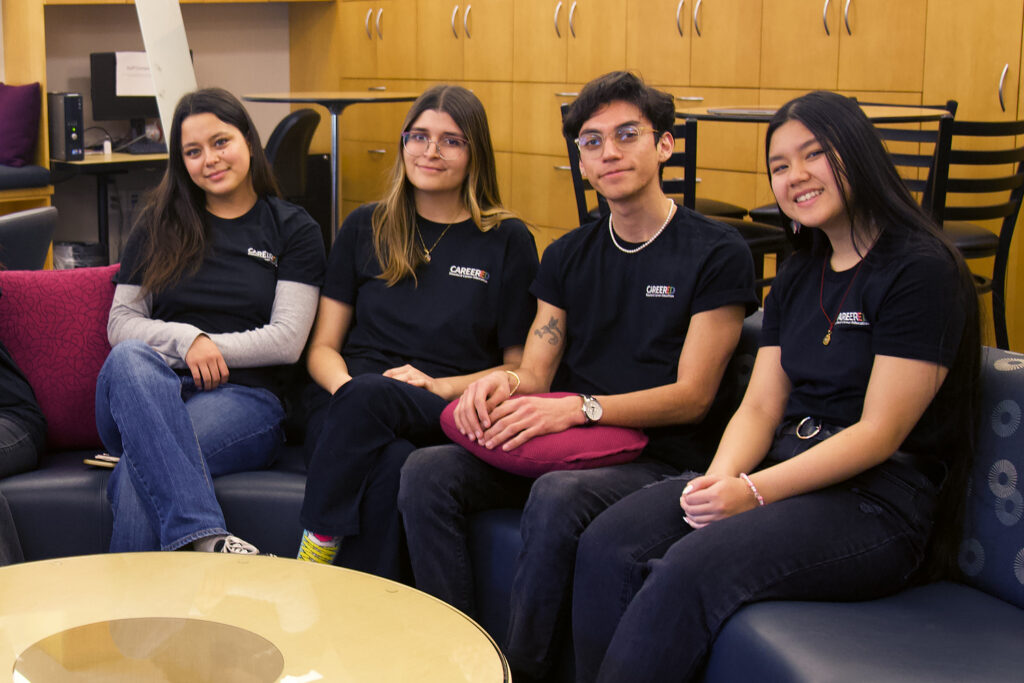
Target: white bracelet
(760, 500)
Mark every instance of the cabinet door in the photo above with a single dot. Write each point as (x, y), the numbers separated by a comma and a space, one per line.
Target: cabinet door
(597, 38)
(357, 36)
(969, 52)
(883, 47)
(725, 46)
(658, 40)
(365, 167)
(439, 39)
(539, 40)
(487, 40)
(395, 26)
(800, 44)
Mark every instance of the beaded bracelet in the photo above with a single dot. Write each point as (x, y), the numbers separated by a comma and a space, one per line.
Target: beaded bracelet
(753, 489)
(518, 382)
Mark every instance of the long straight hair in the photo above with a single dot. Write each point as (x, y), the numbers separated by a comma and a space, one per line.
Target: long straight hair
(174, 216)
(877, 197)
(394, 218)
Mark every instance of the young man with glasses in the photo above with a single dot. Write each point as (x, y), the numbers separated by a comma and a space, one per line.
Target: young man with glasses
(639, 313)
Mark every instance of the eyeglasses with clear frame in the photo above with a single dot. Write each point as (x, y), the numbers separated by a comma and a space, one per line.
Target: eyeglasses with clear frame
(449, 147)
(592, 144)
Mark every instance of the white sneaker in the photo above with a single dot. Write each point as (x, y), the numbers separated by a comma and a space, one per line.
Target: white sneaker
(233, 544)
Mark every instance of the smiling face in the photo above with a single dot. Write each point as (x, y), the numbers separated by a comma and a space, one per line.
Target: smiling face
(427, 171)
(217, 158)
(624, 173)
(802, 179)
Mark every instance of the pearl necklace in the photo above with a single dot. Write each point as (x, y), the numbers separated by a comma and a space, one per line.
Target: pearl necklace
(611, 231)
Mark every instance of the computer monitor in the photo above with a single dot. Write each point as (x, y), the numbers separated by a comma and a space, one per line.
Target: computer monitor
(107, 105)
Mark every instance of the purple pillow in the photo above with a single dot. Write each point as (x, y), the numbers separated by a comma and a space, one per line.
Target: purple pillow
(20, 106)
(577, 448)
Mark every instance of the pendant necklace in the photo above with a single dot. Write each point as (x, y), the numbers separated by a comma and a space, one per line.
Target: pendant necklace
(821, 303)
(611, 231)
(427, 252)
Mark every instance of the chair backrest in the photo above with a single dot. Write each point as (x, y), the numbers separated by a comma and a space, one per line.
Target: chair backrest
(25, 238)
(988, 184)
(680, 185)
(920, 151)
(287, 149)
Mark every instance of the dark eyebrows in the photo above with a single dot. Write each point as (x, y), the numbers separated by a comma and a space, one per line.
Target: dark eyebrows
(617, 127)
(810, 143)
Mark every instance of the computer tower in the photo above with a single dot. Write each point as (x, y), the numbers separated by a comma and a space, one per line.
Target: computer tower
(66, 129)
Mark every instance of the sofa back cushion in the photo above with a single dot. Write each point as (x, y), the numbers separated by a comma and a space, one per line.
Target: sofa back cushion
(54, 323)
(20, 108)
(992, 552)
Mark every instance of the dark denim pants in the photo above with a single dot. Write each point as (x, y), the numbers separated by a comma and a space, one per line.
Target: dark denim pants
(442, 486)
(651, 593)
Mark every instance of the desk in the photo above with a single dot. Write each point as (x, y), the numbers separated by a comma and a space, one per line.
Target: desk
(204, 616)
(103, 166)
(335, 103)
(763, 114)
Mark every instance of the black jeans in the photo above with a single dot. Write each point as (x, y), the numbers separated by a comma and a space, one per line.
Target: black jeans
(651, 593)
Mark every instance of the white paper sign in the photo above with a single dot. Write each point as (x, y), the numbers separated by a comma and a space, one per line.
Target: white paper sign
(132, 75)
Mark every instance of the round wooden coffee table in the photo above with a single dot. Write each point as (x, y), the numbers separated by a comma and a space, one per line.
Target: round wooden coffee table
(185, 616)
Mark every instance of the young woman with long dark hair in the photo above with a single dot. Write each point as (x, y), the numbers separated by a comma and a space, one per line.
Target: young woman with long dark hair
(426, 291)
(847, 458)
(215, 298)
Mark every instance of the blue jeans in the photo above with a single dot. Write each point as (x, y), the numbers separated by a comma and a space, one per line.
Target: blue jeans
(651, 594)
(172, 439)
(442, 486)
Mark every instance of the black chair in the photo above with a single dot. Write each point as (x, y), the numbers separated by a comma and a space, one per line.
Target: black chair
(996, 174)
(25, 238)
(287, 150)
(762, 239)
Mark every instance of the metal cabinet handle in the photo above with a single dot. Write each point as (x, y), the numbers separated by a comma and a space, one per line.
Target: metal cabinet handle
(824, 17)
(376, 151)
(378, 88)
(567, 94)
(572, 19)
(465, 21)
(563, 168)
(696, 20)
(679, 16)
(1002, 81)
(558, 10)
(846, 18)
(455, 13)
(366, 24)
(380, 13)
(690, 98)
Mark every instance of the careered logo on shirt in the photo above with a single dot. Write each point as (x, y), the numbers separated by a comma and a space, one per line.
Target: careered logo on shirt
(263, 255)
(851, 319)
(470, 273)
(661, 292)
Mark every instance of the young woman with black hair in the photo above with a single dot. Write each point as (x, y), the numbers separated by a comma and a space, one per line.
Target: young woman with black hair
(846, 461)
(214, 301)
(426, 291)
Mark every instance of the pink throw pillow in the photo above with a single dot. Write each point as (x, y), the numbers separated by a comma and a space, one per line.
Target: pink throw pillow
(20, 107)
(54, 323)
(577, 448)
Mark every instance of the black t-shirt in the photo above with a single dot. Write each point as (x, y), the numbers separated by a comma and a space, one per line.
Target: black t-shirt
(627, 315)
(467, 304)
(233, 290)
(897, 304)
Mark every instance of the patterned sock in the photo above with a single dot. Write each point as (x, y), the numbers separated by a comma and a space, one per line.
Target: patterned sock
(318, 547)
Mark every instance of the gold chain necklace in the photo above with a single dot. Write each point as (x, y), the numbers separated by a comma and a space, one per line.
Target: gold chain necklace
(427, 252)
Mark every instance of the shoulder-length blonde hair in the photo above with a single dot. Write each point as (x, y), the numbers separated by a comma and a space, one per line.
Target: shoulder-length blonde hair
(394, 218)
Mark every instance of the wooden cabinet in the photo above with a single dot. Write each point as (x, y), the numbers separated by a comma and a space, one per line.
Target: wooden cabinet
(574, 40)
(471, 41)
(658, 34)
(725, 43)
(843, 44)
(378, 39)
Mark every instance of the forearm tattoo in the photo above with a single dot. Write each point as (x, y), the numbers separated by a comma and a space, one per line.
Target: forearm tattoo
(550, 332)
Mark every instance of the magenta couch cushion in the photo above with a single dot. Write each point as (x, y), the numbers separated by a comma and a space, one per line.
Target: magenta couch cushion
(577, 448)
(54, 323)
(20, 106)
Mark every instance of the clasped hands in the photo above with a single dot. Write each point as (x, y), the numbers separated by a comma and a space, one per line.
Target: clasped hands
(204, 359)
(486, 415)
(711, 497)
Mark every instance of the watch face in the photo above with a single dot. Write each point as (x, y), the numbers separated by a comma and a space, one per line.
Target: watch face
(592, 409)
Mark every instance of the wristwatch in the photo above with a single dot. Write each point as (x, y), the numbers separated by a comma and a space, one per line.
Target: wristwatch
(592, 410)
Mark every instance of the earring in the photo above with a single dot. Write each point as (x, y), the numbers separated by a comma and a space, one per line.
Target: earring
(795, 227)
